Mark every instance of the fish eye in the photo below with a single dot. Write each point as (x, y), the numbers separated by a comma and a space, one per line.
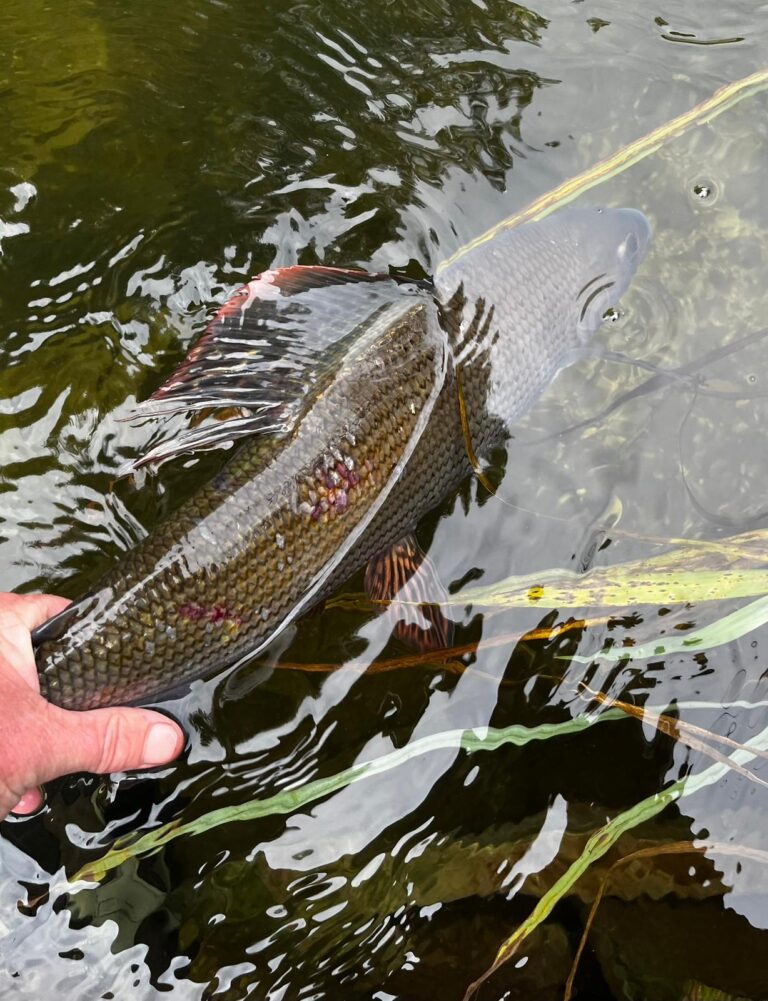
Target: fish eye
(629, 248)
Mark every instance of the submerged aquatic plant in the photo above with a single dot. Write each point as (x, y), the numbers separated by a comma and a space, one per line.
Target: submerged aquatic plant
(654, 851)
(604, 839)
(290, 800)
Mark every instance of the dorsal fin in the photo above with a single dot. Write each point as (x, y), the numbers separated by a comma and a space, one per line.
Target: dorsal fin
(266, 348)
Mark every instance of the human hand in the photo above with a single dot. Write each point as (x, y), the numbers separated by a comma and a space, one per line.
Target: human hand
(40, 741)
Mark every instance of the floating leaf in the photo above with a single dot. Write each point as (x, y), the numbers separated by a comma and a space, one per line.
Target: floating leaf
(622, 586)
(693, 572)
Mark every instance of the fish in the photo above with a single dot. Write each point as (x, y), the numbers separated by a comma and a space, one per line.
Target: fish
(356, 401)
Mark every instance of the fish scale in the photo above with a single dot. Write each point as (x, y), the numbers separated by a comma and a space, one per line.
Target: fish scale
(369, 438)
(169, 593)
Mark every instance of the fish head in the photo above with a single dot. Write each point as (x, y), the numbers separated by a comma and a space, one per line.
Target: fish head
(611, 243)
(524, 301)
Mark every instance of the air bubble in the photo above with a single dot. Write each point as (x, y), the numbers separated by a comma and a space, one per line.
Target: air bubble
(613, 314)
(704, 190)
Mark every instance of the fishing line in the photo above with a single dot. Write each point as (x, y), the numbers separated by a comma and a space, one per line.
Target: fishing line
(475, 462)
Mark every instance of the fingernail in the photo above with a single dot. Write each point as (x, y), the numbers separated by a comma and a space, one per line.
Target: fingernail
(162, 744)
(30, 802)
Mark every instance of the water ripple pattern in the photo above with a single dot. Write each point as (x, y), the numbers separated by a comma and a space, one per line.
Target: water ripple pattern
(154, 156)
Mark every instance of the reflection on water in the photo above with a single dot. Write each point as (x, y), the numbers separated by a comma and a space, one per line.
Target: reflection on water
(154, 157)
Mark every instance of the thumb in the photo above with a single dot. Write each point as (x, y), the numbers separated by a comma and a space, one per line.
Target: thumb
(107, 740)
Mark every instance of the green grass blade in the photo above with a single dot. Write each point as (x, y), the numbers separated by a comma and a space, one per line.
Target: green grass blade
(724, 98)
(290, 800)
(604, 839)
(724, 630)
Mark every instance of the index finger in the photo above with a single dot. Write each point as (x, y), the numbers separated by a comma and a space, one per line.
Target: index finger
(33, 609)
(19, 614)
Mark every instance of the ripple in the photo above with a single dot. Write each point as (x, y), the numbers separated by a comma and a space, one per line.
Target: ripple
(150, 164)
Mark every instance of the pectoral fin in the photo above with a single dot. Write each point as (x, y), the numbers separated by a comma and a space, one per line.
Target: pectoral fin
(404, 576)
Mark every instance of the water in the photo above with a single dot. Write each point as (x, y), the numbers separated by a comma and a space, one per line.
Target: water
(153, 156)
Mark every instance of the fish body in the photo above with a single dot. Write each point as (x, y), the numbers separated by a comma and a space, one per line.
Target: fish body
(353, 431)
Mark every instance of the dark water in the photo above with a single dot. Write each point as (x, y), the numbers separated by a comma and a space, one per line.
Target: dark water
(154, 155)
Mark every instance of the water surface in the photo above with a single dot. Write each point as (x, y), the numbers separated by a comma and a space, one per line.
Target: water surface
(155, 155)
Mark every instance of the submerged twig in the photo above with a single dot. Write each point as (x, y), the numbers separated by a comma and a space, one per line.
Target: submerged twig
(436, 657)
(465, 430)
(666, 723)
(698, 738)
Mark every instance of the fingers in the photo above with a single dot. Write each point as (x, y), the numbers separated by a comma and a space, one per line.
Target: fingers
(20, 613)
(40, 741)
(110, 740)
(103, 740)
(33, 609)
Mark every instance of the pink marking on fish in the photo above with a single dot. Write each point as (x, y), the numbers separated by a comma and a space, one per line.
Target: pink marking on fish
(215, 613)
(192, 612)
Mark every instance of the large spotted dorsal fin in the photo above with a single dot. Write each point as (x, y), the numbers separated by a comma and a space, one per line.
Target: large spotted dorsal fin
(265, 350)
